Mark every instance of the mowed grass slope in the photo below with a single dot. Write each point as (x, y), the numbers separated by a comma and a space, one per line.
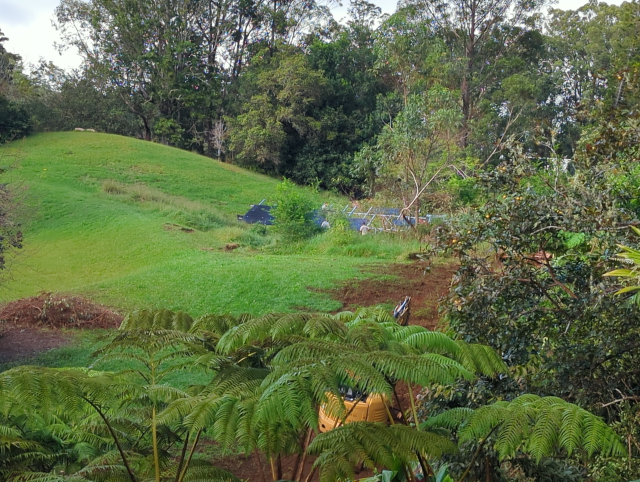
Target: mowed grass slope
(104, 219)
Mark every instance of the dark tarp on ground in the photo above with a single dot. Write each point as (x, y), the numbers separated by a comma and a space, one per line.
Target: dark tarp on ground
(259, 213)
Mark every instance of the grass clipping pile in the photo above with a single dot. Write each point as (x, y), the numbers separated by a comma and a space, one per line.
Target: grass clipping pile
(55, 310)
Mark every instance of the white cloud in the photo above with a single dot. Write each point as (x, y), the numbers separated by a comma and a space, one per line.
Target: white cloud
(14, 13)
(31, 34)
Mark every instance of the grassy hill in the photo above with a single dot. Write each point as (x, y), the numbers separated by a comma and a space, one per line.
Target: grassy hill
(136, 224)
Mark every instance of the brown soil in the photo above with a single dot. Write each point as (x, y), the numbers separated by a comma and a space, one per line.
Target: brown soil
(31, 325)
(17, 342)
(247, 468)
(424, 287)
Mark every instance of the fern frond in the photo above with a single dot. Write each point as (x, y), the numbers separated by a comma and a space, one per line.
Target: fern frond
(359, 442)
(164, 393)
(429, 443)
(236, 381)
(315, 349)
(375, 314)
(289, 324)
(427, 341)
(325, 327)
(450, 419)
(216, 324)
(368, 335)
(251, 331)
(137, 320)
(46, 477)
(480, 359)
(483, 421)
(514, 430)
(202, 413)
(374, 445)
(162, 320)
(422, 370)
(544, 438)
(203, 471)
(539, 426)
(334, 467)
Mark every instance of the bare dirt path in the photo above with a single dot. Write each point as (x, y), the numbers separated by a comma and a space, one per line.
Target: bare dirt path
(424, 287)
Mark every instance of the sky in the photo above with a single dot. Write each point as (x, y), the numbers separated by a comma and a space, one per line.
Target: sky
(28, 25)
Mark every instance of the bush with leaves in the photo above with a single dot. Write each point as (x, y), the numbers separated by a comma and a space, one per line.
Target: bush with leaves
(293, 213)
(15, 122)
(531, 283)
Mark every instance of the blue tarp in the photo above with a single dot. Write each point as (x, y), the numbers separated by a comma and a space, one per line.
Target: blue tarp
(258, 214)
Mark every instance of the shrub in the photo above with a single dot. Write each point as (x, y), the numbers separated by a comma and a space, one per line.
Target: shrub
(14, 120)
(293, 213)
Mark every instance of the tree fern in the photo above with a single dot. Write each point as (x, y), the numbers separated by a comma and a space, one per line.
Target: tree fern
(530, 424)
(249, 332)
(373, 445)
(325, 327)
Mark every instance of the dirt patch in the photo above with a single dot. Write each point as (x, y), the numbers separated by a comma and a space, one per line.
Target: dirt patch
(19, 342)
(248, 468)
(31, 325)
(424, 287)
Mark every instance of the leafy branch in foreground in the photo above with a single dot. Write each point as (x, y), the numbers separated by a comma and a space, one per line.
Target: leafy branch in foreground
(631, 257)
(269, 377)
(122, 406)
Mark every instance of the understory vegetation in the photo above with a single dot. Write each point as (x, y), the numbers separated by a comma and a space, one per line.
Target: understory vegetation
(264, 378)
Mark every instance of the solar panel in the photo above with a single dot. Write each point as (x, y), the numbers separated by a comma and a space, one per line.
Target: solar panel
(355, 223)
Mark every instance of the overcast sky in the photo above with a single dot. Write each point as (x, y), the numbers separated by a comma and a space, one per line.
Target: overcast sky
(27, 23)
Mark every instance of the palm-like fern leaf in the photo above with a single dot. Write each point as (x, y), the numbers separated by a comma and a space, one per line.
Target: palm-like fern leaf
(249, 332)
(372, 444)
(540, 426)
(480, 359)
(325, 327)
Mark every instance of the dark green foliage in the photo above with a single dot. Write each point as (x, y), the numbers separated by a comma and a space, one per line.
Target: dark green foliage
(293, 213)
(78, 102)
(10, 227)
(15, 121)
(531, 279)
(267, 378)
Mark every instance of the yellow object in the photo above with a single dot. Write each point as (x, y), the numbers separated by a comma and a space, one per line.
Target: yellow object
(370, 409)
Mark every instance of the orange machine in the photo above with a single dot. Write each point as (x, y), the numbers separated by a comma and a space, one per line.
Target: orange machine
(361, 408)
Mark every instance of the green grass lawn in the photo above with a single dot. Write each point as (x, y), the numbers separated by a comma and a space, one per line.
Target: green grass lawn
(104, 220)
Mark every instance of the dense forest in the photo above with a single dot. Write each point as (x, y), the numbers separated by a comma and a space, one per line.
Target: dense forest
(374, 103)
